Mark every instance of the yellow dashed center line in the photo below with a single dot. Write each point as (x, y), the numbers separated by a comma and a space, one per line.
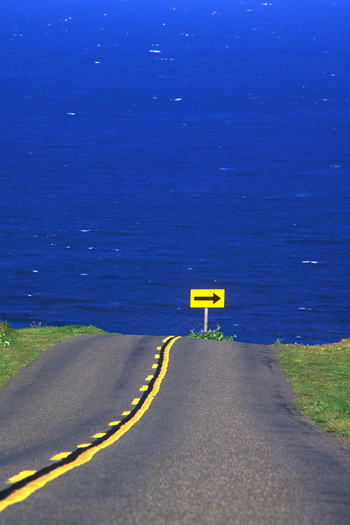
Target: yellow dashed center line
(169, 337)
(32, 486)
(22, 475)
(61, 455)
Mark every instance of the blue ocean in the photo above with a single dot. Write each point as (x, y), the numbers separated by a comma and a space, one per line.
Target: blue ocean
(151, 147)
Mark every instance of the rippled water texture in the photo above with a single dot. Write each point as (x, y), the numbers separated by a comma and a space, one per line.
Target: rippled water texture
(151, 147)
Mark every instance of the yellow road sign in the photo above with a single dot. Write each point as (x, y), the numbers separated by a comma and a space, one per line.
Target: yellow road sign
(207, 299)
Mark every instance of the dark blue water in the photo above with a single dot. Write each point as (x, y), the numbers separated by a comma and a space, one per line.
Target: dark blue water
(151, 147)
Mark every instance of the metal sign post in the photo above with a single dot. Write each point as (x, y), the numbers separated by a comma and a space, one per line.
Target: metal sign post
(207, 299)
(205, 320)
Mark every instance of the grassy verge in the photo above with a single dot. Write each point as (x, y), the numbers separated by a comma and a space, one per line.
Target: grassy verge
(320, 376)
(19, 347)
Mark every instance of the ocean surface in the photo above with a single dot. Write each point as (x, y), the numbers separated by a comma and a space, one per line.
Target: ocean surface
(153, 146)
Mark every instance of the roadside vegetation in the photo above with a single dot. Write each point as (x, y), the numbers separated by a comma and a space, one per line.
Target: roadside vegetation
(212, 334)
(320, 377)
(319, 374)
(19, 347)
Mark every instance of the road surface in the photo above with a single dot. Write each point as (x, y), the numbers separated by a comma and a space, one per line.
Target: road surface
(213, 437)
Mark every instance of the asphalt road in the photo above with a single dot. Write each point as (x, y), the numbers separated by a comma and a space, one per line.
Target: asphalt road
(222, 441)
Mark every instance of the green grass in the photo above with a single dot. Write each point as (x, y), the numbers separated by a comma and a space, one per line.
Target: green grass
(320, 377)
(19, 347)
(211, 334)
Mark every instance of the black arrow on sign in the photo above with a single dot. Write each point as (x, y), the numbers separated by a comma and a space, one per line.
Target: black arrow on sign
(215, 298)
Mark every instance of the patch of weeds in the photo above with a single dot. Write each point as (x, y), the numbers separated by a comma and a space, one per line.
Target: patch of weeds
(6, 335)
(212, 334)
(6, 329)
(34, 324)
